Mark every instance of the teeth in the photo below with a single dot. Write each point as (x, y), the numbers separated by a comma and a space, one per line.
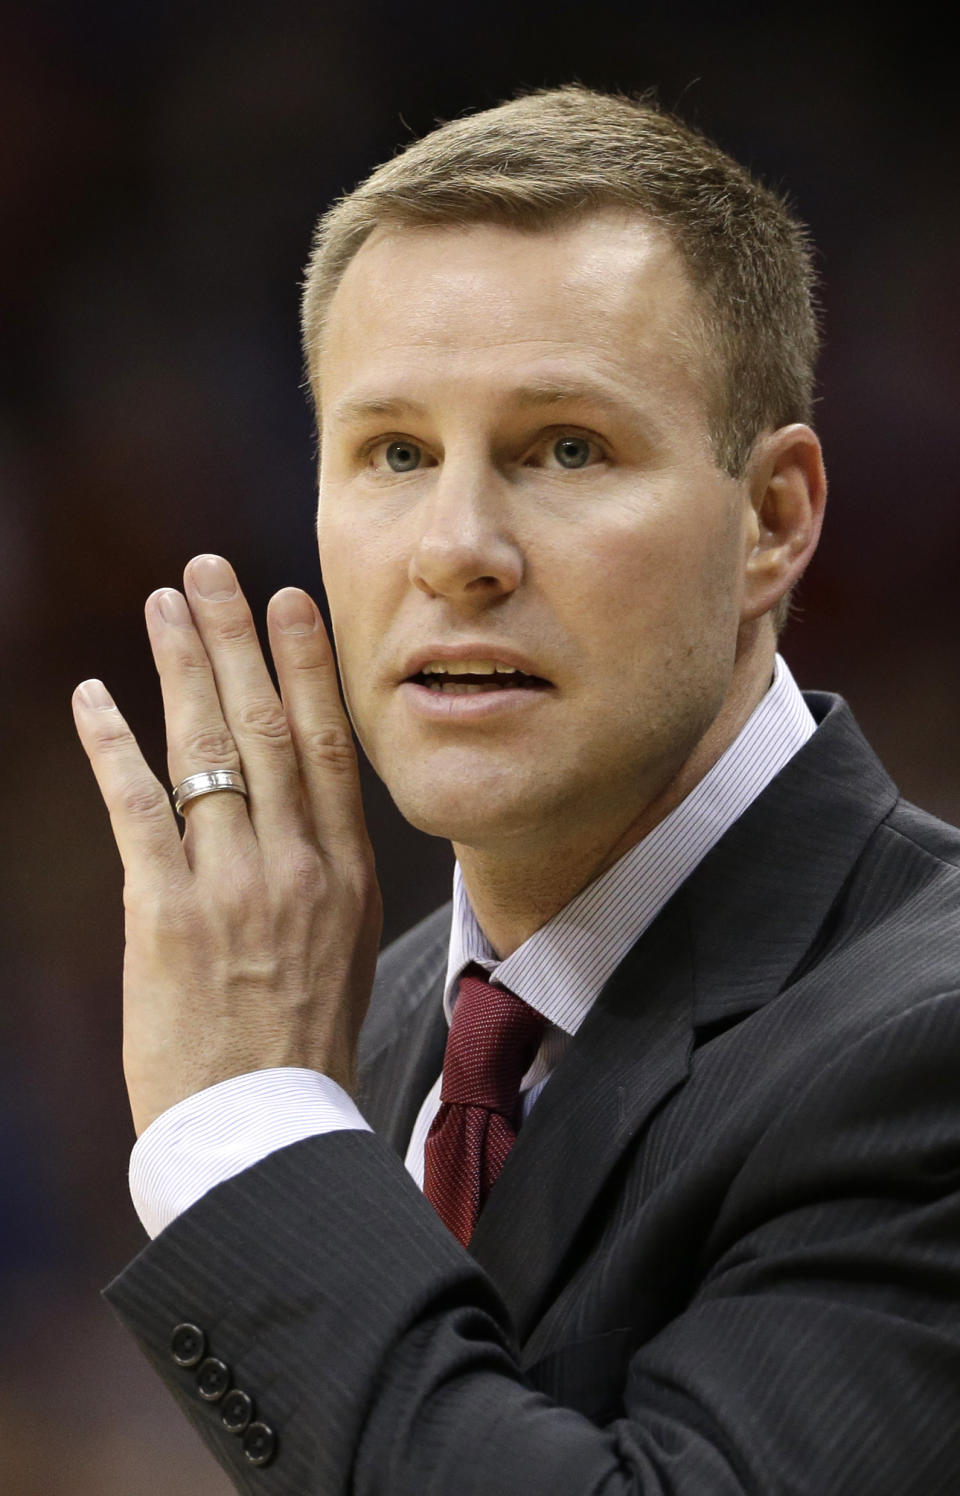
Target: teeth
(468, 667)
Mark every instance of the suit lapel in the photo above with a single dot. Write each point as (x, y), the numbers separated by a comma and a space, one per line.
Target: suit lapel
(762, 902)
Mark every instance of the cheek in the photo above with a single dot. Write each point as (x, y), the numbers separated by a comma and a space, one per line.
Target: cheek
(620, 572)
(348, 568)
(655, 585)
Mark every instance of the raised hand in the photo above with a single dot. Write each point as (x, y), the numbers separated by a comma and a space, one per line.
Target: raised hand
(252, 941)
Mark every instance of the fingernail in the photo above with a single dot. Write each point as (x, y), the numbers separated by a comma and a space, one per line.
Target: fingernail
(212, 577)
(293, 612)
(172, 606)
(94, 694)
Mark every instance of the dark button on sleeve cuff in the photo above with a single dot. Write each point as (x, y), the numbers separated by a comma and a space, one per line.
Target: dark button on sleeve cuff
(236, 1410)
(259, 1444)
(188, 1345)
(213, 1379)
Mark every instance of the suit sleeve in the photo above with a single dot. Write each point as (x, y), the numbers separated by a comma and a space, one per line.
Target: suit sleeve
(819, 1356)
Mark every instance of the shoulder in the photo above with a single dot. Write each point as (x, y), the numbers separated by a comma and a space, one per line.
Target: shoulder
(899, 914)
(915, 835)
(873, 1012)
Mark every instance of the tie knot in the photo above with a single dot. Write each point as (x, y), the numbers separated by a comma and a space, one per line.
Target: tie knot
(493, 1039)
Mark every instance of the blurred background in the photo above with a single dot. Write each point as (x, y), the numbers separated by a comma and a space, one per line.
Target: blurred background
(160, 170)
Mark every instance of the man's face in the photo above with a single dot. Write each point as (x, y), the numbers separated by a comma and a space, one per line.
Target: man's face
(516, 471)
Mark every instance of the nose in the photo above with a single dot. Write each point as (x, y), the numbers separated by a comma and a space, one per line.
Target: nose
(465, 549)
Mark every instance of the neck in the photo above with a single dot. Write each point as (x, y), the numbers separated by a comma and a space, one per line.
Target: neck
(515, 891)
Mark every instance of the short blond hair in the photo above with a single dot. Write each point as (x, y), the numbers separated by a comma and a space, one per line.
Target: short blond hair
(558, 154)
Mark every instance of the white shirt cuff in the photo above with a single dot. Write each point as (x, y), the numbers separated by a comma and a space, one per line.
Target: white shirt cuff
(219, 1132)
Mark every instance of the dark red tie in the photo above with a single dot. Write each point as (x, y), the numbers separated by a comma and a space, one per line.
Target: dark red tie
(493, 1039)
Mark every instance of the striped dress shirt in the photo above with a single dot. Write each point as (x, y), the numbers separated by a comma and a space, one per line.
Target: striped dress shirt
(560, 971)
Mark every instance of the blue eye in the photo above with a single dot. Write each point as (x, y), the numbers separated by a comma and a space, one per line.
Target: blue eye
(403, 457)
(572, 451)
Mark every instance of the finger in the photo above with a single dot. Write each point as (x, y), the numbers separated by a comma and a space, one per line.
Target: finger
(252, 710)
(141, 815)
(198, 737)
(307, 673)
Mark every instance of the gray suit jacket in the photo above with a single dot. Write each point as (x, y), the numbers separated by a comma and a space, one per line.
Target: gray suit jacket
(723, 1256)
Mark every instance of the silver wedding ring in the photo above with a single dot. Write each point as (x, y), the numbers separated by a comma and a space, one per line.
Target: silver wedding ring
(207, 783)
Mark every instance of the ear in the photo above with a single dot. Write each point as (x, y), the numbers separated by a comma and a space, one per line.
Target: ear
(788, 491)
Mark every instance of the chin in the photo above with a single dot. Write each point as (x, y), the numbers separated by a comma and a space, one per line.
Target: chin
(477, 816)
(466, 825)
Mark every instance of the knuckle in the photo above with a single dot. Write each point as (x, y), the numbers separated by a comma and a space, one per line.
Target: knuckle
(112, 735)
(303, 866)
(264, 719)
(362, 892)
(188, 659)
(329, 747)
(144, 802)
(234, 629)
(307, 663)
(211, 747)
(361, 879)
(350, 873)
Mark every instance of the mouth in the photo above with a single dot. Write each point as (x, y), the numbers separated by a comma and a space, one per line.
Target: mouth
(472, 679)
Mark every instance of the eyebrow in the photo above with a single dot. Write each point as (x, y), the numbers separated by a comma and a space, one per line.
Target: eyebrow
(355, 408)
(359, 407)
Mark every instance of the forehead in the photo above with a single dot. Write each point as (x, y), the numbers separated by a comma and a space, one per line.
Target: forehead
(474, 305)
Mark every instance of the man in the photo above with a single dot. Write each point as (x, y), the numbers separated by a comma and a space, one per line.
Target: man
(691, 1167)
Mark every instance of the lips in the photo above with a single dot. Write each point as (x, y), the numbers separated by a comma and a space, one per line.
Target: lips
(472, 668)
